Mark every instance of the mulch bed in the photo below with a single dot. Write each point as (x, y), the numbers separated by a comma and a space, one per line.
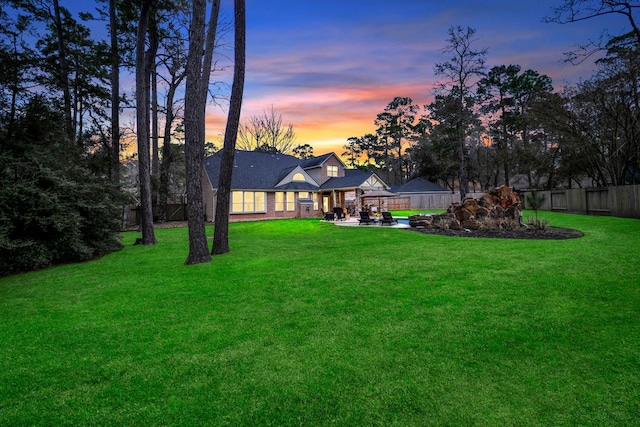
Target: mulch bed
(550, 233)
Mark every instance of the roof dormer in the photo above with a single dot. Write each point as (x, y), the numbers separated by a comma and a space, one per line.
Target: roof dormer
(296, 178)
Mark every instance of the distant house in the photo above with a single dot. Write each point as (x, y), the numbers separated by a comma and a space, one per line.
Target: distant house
(417, 186)
(271, 186)
(424, 194)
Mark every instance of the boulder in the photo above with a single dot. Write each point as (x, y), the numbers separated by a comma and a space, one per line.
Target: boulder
(487, 200)
(471, 205)
(497, 212)
(471, 224)
(482, 212)
(462, 214)
(421, 221)
(454, 224)
(500, 204)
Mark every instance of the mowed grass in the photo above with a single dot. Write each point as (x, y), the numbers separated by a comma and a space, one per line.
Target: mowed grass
(307, 323)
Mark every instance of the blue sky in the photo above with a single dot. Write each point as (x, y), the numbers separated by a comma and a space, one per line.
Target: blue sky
(330, 67)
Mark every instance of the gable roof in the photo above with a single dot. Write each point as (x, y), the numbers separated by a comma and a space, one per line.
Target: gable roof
(287, 181)
(418, 185)
(353, 178)
(253, 170)
(314, 162)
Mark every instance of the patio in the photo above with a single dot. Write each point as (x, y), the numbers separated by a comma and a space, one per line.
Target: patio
(351, 221)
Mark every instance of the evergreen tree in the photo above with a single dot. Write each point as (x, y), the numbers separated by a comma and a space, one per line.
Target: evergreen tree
(53, 209)
(461, 71)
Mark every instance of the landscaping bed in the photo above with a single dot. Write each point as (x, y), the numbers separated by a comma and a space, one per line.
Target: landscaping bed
(554, 233)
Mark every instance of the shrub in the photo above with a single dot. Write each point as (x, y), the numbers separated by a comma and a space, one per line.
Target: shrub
(535, 200)
(537, 224)
(52, 208)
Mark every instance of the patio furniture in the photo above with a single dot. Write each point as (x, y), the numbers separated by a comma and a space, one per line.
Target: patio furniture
(365, 218)
(328, 216)
(387, 218)
(339, 213)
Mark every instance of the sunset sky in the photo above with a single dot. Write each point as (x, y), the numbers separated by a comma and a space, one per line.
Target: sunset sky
(330, 67)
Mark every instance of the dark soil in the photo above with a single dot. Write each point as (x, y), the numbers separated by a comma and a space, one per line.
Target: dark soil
(553, 233)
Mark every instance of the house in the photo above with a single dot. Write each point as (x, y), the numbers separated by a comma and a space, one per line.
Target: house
(271, 186)
(418, 185)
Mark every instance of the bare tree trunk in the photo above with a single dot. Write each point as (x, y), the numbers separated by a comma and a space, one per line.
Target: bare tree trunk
(64, 72)
(221, 233)
(464, 180)
(115, 93)
(155, 155)
(142, 125)
(198, 72)
(167, 154)
(14, 86)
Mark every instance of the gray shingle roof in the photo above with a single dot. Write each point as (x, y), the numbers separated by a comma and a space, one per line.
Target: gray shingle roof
(353, 178)
(300, 186)
(253, 170)
(417, 185)
(315, 161)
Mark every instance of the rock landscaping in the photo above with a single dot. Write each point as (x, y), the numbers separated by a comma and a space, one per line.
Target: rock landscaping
(497, 213)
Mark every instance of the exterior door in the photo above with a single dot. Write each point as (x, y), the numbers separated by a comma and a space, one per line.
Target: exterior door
(325, 203)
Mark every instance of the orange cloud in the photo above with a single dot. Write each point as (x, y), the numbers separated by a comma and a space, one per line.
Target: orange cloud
(330, 72)
(324, 118)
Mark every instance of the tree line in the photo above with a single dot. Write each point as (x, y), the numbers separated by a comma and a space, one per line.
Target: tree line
(61, 140)
(486, 126)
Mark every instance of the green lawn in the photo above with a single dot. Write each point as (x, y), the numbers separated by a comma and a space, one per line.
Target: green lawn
(306, 323)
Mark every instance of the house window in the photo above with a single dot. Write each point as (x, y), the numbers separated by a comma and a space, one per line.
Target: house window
(298, 177)
(314, 196)
(247, 201)
(332, 170)
(291, 201)
(279, 201)
(303, 195)
(260, 201)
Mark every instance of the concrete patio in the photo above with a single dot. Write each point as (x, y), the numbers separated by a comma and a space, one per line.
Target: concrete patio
(353, 221)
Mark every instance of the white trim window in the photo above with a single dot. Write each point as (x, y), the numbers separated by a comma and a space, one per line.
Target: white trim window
(332, 170)
(291, 201)
(279, 201)
(247, 201)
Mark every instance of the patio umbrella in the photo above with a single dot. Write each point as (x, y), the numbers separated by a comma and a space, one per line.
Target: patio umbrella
(379, 194)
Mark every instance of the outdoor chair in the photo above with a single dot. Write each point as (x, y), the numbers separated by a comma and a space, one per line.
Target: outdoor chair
(328, 216)
(387, 218)
(339, 213)
(365, 218)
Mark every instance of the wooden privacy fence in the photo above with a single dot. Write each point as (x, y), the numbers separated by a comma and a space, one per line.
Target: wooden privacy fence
(621, 201)
(417, 201)
(175, 212)
(398, 203)
(426, 201)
